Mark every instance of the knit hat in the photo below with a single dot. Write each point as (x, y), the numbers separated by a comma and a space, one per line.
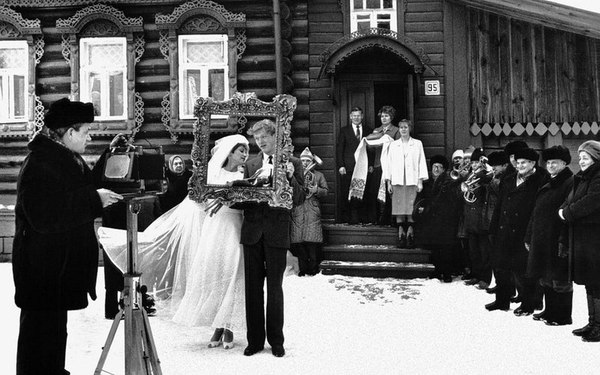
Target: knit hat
(439, 159)
(477, 154)
(63, 113)
(592, 148)
(512, 147)
(307, 154)
(458, 154)
(526, 153)
(557, 152)
(497, 158)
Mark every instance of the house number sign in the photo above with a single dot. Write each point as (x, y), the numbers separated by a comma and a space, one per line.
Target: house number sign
(432, 87)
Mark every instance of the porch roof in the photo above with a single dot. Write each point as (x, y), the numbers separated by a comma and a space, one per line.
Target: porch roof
(545, 13)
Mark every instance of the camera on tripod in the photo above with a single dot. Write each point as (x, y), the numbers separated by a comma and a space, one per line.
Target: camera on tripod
(133, 169)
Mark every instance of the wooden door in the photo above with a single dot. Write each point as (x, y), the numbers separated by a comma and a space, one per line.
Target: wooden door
(356, 94)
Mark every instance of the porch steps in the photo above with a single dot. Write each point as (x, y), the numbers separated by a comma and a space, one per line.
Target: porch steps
(370, 251)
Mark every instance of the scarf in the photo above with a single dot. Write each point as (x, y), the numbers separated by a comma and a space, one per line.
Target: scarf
(359, 176)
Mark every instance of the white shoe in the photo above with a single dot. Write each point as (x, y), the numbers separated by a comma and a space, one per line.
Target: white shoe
(216, 339)
(227, 339)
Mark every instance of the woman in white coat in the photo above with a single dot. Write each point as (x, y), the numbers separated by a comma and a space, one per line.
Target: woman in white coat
(404, 168)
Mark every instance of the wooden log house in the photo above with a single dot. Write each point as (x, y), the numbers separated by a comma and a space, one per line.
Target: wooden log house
(467, 72)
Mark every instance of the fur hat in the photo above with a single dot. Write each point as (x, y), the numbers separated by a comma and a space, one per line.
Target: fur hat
(477, 154)
(512, 147)
(63, 113)
(497, 158)
(440, 159)
(592, 148)
(307, 154)
(526, 153)
(557, 152)
(458, 154)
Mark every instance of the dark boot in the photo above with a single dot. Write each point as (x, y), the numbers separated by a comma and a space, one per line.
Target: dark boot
(547, 314)
(588, 327)
(562, 309)
(594, 334)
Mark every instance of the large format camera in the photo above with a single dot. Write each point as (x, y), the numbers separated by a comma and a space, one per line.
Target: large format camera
(131, 169)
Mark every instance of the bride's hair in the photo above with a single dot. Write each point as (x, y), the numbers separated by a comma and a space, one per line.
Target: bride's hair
(233, 149)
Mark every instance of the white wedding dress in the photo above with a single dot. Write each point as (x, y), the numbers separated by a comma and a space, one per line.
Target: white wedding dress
(192, 260)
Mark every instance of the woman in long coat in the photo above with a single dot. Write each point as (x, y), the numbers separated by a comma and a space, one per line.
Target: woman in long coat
(581, 211)
(546, 263)
(306, 235)
(55, 251)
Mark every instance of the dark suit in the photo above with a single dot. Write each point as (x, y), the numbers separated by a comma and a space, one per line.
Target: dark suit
(346, 145)
(266, 239)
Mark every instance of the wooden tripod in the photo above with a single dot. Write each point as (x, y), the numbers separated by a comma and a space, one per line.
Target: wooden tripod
(140, 351)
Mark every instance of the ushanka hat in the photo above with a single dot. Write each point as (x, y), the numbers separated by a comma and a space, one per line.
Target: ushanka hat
(557, 153)
(439, 159)
(592, 148)
(527, 153)
(497, 158)
(512, 147)
(64, 113)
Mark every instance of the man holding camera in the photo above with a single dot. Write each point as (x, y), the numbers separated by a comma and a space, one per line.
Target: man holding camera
(55, 251)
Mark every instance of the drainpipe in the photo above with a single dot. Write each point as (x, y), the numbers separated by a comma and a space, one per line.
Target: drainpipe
(277, 33)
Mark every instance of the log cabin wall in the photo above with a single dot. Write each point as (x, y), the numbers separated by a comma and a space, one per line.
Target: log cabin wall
(256, 73)
(532, 82)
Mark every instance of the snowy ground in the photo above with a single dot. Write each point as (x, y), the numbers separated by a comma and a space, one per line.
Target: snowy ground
(345, 325)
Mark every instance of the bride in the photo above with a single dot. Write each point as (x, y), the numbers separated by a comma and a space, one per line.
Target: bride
(195, 259)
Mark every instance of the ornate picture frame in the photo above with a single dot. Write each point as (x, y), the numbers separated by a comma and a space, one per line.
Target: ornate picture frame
(242, 110)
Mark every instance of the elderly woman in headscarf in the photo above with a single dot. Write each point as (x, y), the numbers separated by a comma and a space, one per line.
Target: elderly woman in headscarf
(177, 176)
(581, 211)
(545, 262)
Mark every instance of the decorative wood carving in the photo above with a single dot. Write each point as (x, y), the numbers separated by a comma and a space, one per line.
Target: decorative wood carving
(197, 17)
(102, 20)
(14, 27)
(243, 105)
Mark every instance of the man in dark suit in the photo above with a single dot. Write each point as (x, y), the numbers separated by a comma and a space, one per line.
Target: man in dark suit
(266, 239)
(350, 211)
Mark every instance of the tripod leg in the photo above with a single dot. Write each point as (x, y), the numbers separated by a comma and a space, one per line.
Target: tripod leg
(108, 343)
(149, 341)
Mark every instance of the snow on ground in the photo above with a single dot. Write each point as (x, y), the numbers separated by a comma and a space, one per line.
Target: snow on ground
(344, 325)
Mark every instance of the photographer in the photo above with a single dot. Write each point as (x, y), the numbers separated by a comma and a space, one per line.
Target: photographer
(55, 251)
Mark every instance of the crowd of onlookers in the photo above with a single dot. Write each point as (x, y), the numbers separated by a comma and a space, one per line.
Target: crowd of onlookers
(530, 225)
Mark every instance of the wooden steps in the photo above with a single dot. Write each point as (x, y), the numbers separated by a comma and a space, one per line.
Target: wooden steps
(370, 251)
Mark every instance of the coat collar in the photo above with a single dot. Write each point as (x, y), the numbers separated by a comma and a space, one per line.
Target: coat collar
(561, 177)
(590, 172)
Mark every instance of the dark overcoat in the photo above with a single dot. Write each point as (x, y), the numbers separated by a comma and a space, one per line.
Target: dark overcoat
(306, 217)
(511, 217)
(55, 251)
(545, 227)
(438, 223)
(582, 214)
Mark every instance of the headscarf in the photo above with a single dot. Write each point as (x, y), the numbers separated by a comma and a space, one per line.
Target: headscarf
(220, 152)
(172, 162)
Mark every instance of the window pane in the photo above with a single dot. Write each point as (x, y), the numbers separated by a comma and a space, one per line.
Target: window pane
(373, 4)
(116, 93)
(95, 93)
(205, 52)
(363, 17)
(358, 4)
(384, 25)
(388, 4)
(12, 58)
(363, 26)
(192, 89)
(19, 103)
(216, 84)
(106, 55)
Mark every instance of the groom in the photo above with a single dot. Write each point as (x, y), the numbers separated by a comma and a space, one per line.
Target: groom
(266, 239)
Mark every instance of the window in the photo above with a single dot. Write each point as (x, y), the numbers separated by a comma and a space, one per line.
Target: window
(103, 75)
(14, 63)
(367, 14)
(203, 70)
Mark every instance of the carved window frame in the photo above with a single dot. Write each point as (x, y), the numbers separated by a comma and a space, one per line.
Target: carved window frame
(13, 27)
(197, 17)
(345, 7)
(106, 21)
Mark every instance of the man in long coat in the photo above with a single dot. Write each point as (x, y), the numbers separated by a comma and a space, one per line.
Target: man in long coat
(509, 224)
(55, 251)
